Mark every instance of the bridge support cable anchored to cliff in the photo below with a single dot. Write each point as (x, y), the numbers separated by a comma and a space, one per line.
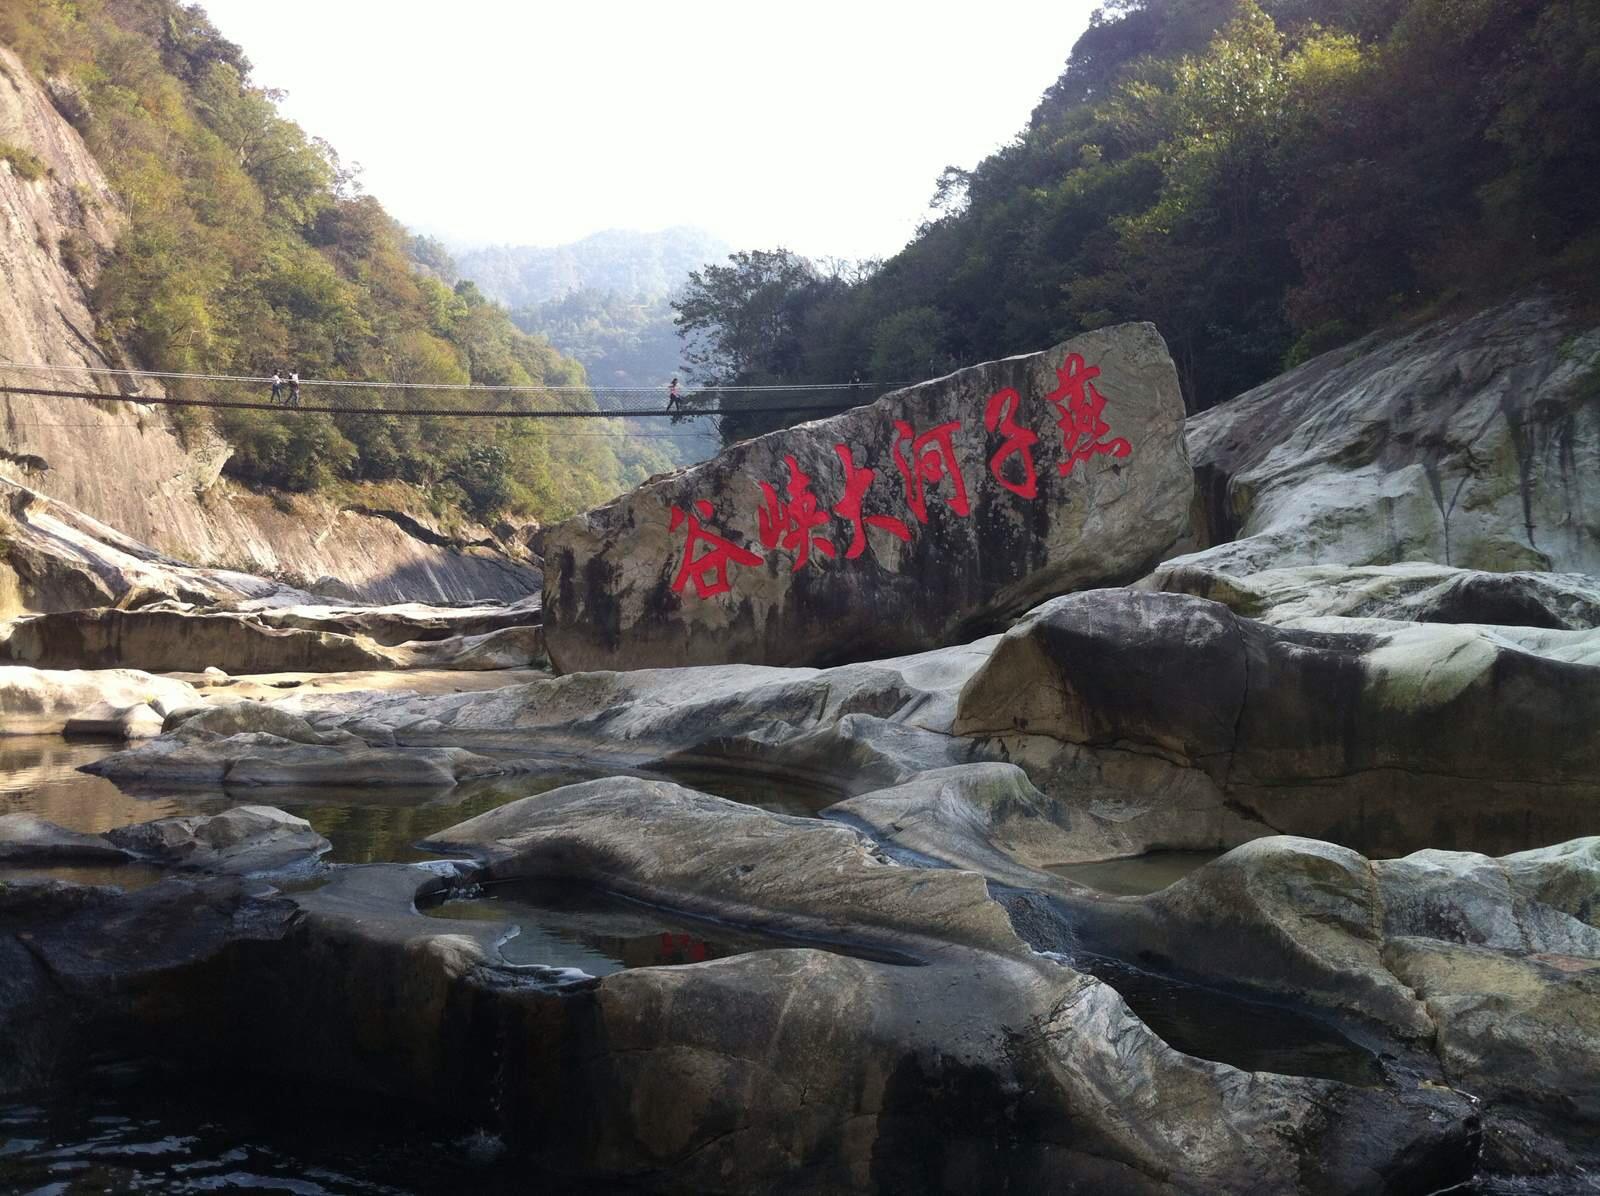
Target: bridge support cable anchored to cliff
(346, 397)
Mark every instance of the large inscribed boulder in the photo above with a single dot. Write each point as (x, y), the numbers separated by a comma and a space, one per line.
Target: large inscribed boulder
(925, 518)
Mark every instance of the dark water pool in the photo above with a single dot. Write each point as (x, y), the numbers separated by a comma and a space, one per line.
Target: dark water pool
(566, 925)
(138, 1128)
(781, 795)
(1136, 875)
(1222, 1027)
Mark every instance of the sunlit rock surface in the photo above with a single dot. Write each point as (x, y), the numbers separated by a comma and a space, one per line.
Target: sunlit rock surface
(1412, 592)
(1472, 442)
(1384, 736)
(984, 496)
(99, 701)
(171, 637)
(240, 841)
(246, 744)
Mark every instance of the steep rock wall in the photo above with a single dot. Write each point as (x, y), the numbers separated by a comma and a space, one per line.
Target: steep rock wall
(1472, 442)
(120, 463)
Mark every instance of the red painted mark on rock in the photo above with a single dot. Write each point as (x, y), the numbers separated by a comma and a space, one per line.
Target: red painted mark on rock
(1079, 405)
(933, 458)
(709, 569)
(857, 480)
(1001, 415)
(924, 460)
(792, 522)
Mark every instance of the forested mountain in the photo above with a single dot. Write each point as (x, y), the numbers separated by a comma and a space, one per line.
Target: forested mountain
(1262, 180)
(604, 300)
(247, 247)
(622, 261)
(622, 339)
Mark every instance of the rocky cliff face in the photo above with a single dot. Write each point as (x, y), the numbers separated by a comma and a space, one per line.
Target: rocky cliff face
(120, 463)
(1469, 442)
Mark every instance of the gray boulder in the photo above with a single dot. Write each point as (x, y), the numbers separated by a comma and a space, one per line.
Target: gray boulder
(854, 727)
(1492, 964)
(1384, 737)
(245, 839)
(250, 744)
(141, 721)
(938, 511)
(1054, 1055)
(242, 840)
(1516, 1029)
(103, 701)
(987, 818)
(27, 838)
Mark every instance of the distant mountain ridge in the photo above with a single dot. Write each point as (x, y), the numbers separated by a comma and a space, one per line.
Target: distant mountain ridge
(625, 261)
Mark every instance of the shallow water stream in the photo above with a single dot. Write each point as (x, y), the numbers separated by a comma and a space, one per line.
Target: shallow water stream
(39, 775)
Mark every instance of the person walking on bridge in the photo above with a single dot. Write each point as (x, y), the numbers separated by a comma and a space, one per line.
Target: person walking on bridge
(294, 388)
(674, 399)
(277, 386)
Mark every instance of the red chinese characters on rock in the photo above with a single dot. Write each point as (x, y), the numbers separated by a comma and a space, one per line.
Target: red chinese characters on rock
(1079, 406)
(857, 480)
(792, 522)
(925, 460)
(1001, 415)
(933, 458)
(709, 569)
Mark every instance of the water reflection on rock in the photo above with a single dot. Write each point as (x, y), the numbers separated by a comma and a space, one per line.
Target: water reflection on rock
(565, 925)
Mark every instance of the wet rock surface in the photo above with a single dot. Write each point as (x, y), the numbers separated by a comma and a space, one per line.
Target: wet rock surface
(243, 840)
(1491, 962)
(960, 532)
(716, 1076)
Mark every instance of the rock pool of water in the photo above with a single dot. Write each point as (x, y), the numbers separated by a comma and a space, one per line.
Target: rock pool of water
(39, 775)
(563, 925)
(1136, 875)
(782, 795)
(1250, 1035)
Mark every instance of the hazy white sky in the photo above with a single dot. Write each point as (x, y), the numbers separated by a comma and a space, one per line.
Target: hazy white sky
(820, 126)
